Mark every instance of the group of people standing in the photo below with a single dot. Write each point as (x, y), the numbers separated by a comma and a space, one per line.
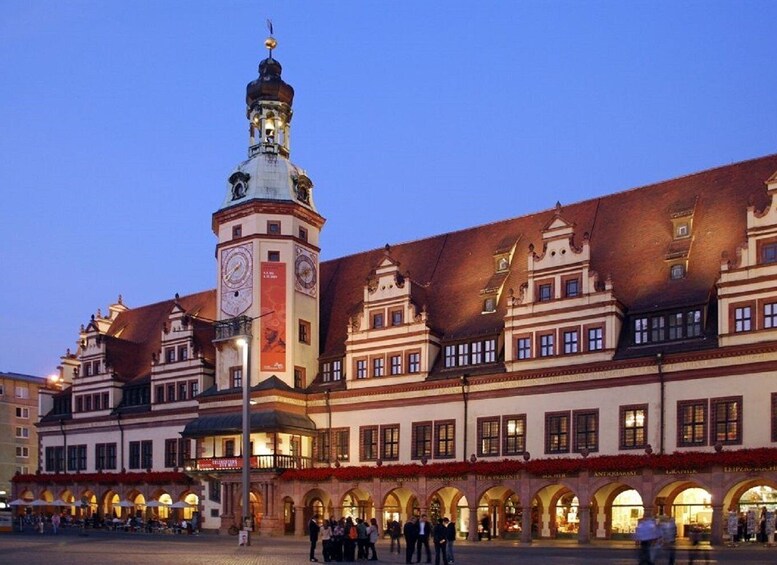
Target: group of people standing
(354, 540)
(344, 539)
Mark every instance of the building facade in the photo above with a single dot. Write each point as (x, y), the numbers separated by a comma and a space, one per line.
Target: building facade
(18, 434)
(560, 374)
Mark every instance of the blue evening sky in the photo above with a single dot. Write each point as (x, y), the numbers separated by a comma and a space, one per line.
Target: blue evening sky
(120, 122)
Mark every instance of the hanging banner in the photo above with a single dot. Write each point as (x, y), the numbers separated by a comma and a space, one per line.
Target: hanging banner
(273, 324)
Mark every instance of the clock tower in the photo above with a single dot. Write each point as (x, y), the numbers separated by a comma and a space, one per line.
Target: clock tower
(267, 253)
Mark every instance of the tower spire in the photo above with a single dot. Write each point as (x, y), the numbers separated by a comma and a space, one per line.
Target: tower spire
(270, 42)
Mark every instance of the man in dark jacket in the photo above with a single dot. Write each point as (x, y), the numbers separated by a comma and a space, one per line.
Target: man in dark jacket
(450, 536)
(424, 532)
(313, 529)
(440, 536)
(411, 537)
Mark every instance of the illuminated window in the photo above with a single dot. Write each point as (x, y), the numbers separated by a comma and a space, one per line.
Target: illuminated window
(235, 377)
(389, 442)
(514, 431)
(444, 439)
(488, 437)
(633, 426)
(726, 420)
(692, 423)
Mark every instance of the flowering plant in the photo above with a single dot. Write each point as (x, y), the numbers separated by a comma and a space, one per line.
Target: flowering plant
(677, 461)
(148, 477)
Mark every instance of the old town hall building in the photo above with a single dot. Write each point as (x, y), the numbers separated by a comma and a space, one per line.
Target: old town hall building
(563, 373)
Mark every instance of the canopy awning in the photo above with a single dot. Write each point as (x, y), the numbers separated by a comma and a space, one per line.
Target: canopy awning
(261, 421)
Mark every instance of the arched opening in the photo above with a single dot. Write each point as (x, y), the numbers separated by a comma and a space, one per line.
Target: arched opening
(289, 513)
(692, 509)
(626, 511)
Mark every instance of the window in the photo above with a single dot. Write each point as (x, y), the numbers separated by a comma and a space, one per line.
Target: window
(235, 377)
(774, 416)
(237, 231)
(770, 315)
(299, 377)
(342, 440)
(677, 272)
(742, 319)
(693, 323)
(337, 369)
(657, 328)
(633, 426)
(87, 402)
(96, 367)
(545, 292)
(490, 356)
(55, 458)
(488, 437)
(586, 430)
(769, 253)
(22, 451)
(414, 362)
(22, 412)
(595, 339)
(304, 332)
(692, 423)
(546, 345)
(368, 444)
(22, 432)
(87, 369)
(489, 305)
(273, 256)
(303, 233)
(396, 364)
(377, 367)
(146, 454)
(214, 491)
(76, 457)
(273, 227)
(134, 455)
(160, 394)
(96, 401)
(183, 353)
(450, 356)
(422, 440)
(476, 356)
(681, 230)
(570, 341)
(171, 453)
(572, 288)
(445, 439)
(194, 389)
(322, 447)
(640, 330)
(170, 355)
(557, 432)
(389, 439)
(326, 372)
(170, 392)
(22, 392)
(396, 317)
(228, 448)
(361, 368)
(183, 389)
(377, 320)
(523, 348)
(463, 354)
(502, 264)
(105, 456)
(514, 430)
(676, 325)
(79, 404)
(726, 420)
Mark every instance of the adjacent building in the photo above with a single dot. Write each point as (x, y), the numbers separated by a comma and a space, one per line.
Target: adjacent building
(557, 374)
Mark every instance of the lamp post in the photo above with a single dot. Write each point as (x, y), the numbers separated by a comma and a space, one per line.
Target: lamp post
(245, 345)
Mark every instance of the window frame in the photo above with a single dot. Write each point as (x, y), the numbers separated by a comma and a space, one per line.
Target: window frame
(727, 422)
(699, 427)
(421, 439)
(589, 434)
(445, 439)
(624, 431)
(562, 418)
(389, 446)
(489, 436)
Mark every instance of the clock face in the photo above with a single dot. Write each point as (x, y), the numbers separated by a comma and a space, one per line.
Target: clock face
(305, 271)
(236, 280)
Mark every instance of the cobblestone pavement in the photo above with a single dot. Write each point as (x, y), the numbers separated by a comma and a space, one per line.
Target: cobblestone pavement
(70, 548)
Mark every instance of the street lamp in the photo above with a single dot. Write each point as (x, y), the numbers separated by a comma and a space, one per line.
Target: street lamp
(244, 343)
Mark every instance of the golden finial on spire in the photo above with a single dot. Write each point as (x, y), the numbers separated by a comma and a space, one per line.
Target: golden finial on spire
(270, 42)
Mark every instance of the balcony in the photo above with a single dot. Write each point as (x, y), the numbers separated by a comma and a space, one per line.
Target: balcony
(270, 462)
(233, 328)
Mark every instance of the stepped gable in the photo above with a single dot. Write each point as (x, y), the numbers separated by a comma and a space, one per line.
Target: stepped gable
(136, 334)
(630, 233)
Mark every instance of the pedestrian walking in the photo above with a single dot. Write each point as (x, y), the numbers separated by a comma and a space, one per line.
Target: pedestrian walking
(313, 531)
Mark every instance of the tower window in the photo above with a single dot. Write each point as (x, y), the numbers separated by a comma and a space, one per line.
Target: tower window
(769, 253)
(303, 234)
(237, 231)
(273, 227)
(274, 256)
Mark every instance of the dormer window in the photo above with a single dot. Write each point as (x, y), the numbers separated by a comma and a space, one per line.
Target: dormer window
(682, 229)
(396, 317)
(545, 292)
(489, 305)
(677, 272)
(572, 288)
(502, 264)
